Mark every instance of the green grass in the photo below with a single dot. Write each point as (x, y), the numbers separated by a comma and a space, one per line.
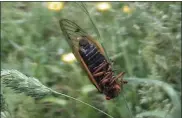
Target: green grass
(144, 43)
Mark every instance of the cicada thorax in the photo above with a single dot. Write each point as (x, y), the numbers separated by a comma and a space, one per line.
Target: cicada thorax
(98, 68)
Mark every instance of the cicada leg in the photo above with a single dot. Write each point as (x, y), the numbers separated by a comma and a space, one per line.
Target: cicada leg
(98, 74)
(106, 78)
(103, 72)
(110, 68)
(118, 76)
(124, 81)
(100, 67)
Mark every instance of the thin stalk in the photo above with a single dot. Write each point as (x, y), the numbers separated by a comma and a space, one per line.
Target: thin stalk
(61, 94)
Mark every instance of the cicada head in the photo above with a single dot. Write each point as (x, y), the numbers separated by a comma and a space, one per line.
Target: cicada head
(113, 92)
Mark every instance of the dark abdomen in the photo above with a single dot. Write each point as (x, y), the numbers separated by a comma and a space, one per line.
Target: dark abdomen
(92, 58)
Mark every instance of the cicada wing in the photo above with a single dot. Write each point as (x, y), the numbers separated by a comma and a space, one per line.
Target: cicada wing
(71, 30)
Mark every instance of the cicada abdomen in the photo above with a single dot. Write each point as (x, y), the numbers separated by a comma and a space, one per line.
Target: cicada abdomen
(91, 55)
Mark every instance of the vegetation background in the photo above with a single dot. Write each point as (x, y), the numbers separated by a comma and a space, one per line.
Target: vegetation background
(143, 39)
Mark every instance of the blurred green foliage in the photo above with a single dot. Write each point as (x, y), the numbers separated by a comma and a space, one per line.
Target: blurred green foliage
(145, 43)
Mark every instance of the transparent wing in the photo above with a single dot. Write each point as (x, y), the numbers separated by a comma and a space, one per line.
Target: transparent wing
(71, 31)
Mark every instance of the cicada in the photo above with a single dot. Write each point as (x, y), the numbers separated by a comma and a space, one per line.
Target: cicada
(91, 56)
